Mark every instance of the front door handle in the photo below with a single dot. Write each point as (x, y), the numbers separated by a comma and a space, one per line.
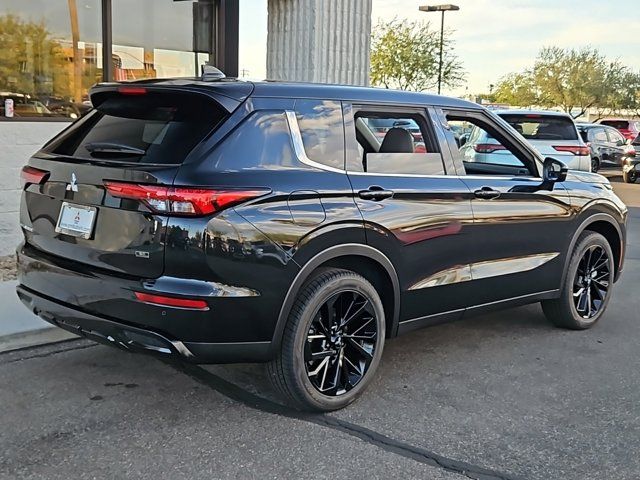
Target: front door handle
(487, 193)
(375, 193)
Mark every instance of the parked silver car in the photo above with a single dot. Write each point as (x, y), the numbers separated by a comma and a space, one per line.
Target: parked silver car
(553, 134)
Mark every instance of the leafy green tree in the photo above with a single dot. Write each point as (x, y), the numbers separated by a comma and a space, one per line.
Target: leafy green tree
(575, 80)
(517, 89)
(405, 55)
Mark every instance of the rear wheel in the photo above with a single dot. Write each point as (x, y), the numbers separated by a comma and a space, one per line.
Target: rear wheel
(587, 288)
(630, 176)
(595, 165)
(332, 342)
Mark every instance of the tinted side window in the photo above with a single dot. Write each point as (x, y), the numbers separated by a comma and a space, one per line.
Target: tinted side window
(262, 139)
(322, 131)
(396, 143)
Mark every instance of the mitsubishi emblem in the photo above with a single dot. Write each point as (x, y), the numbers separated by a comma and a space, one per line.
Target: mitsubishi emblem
(73, 186)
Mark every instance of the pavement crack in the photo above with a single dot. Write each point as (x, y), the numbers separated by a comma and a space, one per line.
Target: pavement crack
(12, 353)
(406, 450)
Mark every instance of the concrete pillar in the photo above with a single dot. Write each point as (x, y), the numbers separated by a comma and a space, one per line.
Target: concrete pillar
(325, 41)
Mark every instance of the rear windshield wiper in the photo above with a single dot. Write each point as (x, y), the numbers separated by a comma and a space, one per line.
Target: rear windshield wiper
(113, 148)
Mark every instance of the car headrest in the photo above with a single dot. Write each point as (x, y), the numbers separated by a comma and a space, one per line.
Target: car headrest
(397, 140)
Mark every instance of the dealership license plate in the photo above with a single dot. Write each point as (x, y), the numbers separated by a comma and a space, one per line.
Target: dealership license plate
(76, 220)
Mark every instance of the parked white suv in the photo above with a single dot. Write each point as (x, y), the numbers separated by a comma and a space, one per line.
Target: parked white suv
(553, 134)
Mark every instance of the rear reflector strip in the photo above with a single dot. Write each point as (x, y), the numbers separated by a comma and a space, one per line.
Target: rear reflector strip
(179, 201)
(575, 149)
(174, 302)
(30, 175)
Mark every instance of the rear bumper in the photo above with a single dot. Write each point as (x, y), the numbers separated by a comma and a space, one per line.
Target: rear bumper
(136, 339)
(104, 307)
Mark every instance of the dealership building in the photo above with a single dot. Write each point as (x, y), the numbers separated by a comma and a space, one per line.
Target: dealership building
(54, 50)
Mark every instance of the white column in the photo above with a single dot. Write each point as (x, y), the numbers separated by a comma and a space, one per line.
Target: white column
(325, 41)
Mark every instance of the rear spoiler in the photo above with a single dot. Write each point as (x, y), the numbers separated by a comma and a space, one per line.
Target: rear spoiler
(227, 93)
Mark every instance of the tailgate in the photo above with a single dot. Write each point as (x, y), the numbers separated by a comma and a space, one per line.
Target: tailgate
(79, 220)
(134, 136)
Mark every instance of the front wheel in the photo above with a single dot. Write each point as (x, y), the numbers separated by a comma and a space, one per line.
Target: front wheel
(630, 177)
(587, 287)
(332, 342)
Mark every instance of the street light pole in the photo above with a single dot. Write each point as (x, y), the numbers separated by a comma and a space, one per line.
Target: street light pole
(440, 8)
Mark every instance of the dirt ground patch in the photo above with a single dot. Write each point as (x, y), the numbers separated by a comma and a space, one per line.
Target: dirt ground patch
(7, 268)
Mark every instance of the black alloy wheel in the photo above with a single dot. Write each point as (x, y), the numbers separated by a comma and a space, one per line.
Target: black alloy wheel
(332, 342)
(587, 286)
(341, 343)
(591, 283)
(630, 176)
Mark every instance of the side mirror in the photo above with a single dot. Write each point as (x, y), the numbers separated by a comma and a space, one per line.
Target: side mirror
(553, 171)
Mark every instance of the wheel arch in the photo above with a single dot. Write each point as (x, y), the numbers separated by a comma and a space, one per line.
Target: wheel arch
(609, 228)
(363, 259)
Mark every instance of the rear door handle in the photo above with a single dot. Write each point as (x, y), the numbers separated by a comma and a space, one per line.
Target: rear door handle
(487, 193)
(375, 193)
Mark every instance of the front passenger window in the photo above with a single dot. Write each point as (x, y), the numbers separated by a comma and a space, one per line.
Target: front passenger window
(481, 150)
(396, 144)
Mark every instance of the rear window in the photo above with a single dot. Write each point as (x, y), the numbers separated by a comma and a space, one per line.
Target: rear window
(543, 127)
(155, 128)
(618, 124)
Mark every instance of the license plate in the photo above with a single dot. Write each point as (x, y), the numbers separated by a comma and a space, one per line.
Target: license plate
(76, 220)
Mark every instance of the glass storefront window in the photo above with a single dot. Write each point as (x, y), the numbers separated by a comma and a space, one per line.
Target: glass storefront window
(154, 38)
(50, 55)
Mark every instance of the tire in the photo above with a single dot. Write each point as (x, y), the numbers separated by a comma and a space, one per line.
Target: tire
(320, 384)
(579, 307)
(595, 165)
(630, 177)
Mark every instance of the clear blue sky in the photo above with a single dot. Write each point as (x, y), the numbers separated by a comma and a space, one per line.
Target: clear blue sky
(493, 37)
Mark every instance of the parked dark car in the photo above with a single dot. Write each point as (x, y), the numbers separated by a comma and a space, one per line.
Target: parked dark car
(608, 146)
(228, 221)
(629, 129)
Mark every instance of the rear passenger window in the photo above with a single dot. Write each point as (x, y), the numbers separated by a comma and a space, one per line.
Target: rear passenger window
(322, 131)
(396, 143)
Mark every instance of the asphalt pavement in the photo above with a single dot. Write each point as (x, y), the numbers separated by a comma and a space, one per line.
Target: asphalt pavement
(502, 396)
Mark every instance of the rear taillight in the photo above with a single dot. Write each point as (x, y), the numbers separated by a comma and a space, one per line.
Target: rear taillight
(30, 175)
(162, 301)
(488, 147)
(185, 201)
(575, 149)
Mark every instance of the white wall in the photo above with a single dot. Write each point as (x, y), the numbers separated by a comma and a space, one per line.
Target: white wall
(322, 41)
(18, 141)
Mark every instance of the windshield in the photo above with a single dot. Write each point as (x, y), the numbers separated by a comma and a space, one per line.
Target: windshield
(543, 127)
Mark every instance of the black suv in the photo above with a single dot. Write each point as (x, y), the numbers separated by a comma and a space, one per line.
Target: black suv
(228, 221)
(607, 145)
